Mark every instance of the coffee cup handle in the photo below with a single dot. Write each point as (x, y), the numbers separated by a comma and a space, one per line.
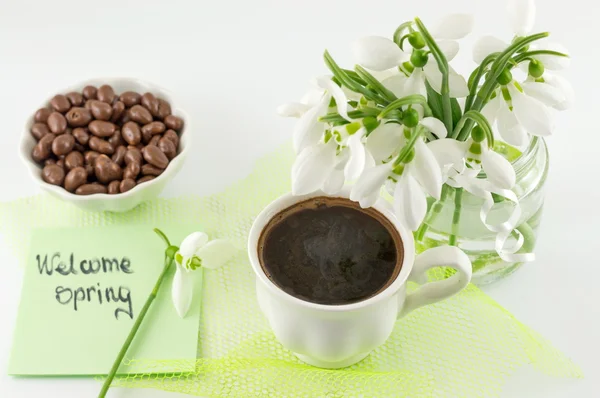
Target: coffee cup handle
(432, 292)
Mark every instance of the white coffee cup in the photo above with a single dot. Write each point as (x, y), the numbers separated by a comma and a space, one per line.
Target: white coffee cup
(336, 336)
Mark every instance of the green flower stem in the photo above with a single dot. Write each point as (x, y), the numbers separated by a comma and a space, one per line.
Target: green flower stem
(531, 54)
(444, 69)
(475, 78)
(415, 99)
(358, 114)
(481, 121)
(400, 32)
(456, 216)
(138, 321)
(436, 209)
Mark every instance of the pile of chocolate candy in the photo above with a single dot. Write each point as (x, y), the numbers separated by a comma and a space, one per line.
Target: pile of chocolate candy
(99, 142)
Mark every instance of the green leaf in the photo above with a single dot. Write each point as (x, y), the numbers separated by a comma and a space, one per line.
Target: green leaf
(347, 81)
(374, 83)
(456, 111)
(354, 76)
(435, 101)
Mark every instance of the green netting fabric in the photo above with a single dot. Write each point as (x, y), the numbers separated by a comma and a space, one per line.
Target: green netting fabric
(465, 346)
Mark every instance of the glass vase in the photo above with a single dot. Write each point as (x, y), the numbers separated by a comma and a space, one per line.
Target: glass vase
(472, 236)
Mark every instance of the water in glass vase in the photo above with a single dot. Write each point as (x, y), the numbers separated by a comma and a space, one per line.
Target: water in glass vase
(472, 236)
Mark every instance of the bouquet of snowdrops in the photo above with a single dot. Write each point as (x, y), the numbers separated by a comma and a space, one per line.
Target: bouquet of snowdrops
(405, 121)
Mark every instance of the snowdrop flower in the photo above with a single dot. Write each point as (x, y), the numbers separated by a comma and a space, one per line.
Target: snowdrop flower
(196, 251)
(476, 154)
(415, 179)
(426, 69)
(415, 176)
(340, 155)
(525, 108)
(387, 140)
(312, 106)
(566, 94)
(381, 54)
(519, 109)
(378, 53)
(450, 29)
(522, 18)
(521, 15)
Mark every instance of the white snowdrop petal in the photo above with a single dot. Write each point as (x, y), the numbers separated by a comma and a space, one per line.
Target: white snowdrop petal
(192, 243)
(314, 95)
(427, 170)
(415, 84)
(553, 62)
(384, 74)
(499, 171)
(312, 167)
(433, 75)
(472, 185)
(533, 115)
(448, 151)
(435, 126)
(564, 86)
(458, 84)
(370, 200)
(509, 128)
(384, 141)
(420, 111)
(521, 14)
(449, 48)
(516, 136)
(396, 84)
(292, 109)
(485, 46)
(182, 291)
(491, 109)
(308, 130)
(351, 95)
(454, 27)
(216, 253)
(369, 160)
(543, 92)
(378, 53)
(410, 203)
(369, 182)
(340, 97)
(334, 183)
(356, 163)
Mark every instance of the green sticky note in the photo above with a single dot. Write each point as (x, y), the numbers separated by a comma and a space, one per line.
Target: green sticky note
(82, 290)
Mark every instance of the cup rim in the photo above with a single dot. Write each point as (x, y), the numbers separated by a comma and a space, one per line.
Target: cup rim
(34, 169)
(287, 200)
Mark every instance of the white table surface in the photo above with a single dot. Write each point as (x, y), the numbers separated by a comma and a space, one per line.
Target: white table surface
(232, 62)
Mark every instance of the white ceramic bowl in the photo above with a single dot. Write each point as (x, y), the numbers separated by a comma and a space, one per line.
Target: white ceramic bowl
(123, 201)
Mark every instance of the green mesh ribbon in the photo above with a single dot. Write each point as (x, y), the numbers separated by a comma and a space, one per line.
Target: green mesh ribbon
(464, 346)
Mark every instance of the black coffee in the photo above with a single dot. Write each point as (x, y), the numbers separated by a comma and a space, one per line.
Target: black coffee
(330, 251)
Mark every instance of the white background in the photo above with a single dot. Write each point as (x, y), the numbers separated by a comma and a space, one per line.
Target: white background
(232, 62)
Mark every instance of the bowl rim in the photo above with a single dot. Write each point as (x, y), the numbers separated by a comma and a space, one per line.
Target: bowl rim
(175, 164)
